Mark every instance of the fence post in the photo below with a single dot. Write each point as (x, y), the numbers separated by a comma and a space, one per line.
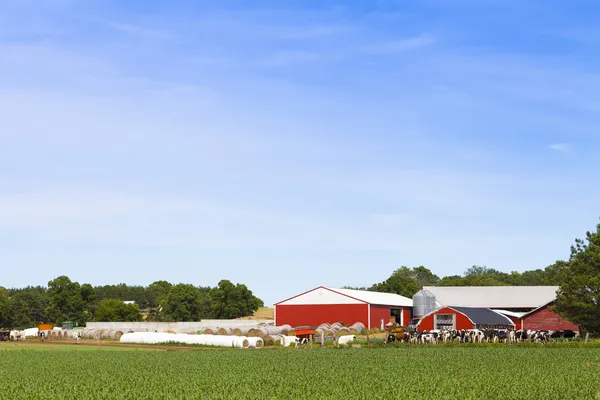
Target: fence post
(587, 337)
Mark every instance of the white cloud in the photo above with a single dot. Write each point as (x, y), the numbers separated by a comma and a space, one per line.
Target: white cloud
(561, 147)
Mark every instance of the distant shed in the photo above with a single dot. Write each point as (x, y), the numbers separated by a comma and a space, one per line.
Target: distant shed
(544, 319)
(463, 318)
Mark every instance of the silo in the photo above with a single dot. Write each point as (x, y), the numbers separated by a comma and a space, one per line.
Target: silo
(423, 303)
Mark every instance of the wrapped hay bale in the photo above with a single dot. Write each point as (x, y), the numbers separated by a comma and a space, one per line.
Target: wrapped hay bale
(273, 339)
(210, 331)
(261, 332)
(358, 327)
(256, 342)
(269, 340)
(285, 329)
(98, 334)
(224, 332)
(115, 335)
(343, 332)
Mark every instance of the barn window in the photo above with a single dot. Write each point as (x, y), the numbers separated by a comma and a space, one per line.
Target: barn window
(444, 321)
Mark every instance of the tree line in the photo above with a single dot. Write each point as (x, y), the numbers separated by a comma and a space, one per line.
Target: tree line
(407, 281)
(65, 300)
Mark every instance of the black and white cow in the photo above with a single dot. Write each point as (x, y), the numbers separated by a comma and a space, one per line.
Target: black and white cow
(300, 341)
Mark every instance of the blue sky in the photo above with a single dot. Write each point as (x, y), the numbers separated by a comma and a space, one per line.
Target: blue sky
(291, 144)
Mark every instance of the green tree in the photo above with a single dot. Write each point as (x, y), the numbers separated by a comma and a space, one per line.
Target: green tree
(115, 310)
(578, 298)
(424, 277)
(65, 301)
(156, 292)
(481, 276)
(452, 280)
(5, 317)
(556, 273)
(28, 307)
(186, 302)
(88, 296)
(231, 301)
(406, 281)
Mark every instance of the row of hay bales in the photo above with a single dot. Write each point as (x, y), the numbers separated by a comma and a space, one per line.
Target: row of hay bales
(261, 332)
(337, 329)
(103, 333)
(56, 334)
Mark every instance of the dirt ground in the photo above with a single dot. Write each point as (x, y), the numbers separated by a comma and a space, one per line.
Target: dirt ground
(261, 313)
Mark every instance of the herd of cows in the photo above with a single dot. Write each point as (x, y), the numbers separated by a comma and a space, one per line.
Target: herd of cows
(481, 336)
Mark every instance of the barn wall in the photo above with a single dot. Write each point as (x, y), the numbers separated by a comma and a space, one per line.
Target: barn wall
(379, 313)
(407, 316)
(462, 322)
(316, 314)
(515, 320)
(544, 319)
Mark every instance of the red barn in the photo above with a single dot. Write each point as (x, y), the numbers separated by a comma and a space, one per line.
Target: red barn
(543, 319)
(346, 306)
(463, 318)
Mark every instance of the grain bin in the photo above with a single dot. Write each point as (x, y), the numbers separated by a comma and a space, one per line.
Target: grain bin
(423, 303)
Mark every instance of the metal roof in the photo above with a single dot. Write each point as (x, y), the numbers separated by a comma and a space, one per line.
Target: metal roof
(377, 298)
(537, 309)
(493, 296)
(483, 316)
(511, 313)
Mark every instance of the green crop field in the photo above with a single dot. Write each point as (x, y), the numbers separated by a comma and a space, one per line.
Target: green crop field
(83, 372)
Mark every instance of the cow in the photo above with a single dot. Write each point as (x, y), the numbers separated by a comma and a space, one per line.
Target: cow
(568, 334)
(499, 335)
(17, 335)
(428, 337)
(512, 336)
(301, 342)
(476, 336)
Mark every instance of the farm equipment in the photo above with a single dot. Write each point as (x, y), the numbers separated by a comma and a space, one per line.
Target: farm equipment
(4, 336)
(304, 336)
(45, 327)
(395, 332)
(44, 331)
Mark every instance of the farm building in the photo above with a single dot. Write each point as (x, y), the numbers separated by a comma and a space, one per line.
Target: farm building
(508, 298)
(463, 318)
(346, 306)
(542, 318)
(514, 316)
